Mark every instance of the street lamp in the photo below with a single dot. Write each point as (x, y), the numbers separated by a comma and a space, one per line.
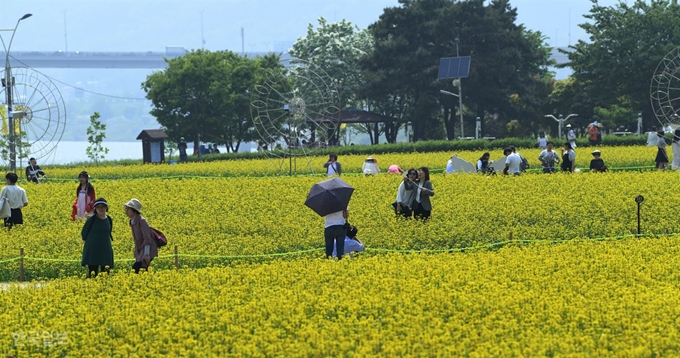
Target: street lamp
(561, 121)
(8, 92)
(456, 83)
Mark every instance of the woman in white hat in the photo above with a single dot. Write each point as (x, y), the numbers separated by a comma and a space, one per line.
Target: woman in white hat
(370, 166)
(145, 246)
(96, 235)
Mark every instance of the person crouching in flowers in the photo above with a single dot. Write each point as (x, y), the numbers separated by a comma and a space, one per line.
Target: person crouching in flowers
(145, 246)
(96, 235)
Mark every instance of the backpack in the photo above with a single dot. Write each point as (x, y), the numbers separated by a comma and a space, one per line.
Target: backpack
(524, 164)
(159, 237)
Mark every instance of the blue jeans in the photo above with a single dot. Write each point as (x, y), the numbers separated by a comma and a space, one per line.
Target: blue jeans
(335, 236)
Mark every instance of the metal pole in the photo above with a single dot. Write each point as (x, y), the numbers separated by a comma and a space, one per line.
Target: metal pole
(460, 97)
(8, 91)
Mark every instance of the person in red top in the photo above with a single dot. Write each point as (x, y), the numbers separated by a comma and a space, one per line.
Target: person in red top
(85, 197)
(593, 133)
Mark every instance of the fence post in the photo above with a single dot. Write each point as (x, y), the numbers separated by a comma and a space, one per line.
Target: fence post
(510, 236)
(21, 264)
(176, 259)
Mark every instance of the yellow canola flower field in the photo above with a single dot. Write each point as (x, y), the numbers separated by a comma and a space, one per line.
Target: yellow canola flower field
(614, 157)
(214, 221)
(580, 298)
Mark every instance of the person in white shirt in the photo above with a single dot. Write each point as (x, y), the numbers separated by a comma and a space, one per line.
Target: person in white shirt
(406, 194)
(449, 166)
(16, 198)
(542, 141)
(370, 166)
(332, 166)
(571, 136)
(675, 145)
(568, 158)
(512, 162)
(334, 232)
(652, 138)
(549, 158)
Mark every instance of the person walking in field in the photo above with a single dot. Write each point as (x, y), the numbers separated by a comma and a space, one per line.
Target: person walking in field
(661, 153)
(16, 197)
(597, 163)
(145, 245)
(549, 158)
(568, 158)
(85, 197)
(675, 145)
(96, 235)
(571, 136)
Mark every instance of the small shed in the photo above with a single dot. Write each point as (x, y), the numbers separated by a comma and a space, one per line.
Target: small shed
(153, 145)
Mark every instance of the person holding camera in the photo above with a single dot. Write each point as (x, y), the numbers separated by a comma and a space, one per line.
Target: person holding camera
(332, 166)
(33, 170)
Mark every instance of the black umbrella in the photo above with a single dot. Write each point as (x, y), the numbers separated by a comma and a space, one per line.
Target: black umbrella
(329, 196)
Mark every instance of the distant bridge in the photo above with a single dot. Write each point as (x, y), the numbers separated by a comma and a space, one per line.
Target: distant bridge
(150, 59)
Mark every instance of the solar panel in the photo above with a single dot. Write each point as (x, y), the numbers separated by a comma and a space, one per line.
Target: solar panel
(454, 67)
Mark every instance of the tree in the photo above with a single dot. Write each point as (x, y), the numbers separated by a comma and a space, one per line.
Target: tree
(208, 94)
(508, 75)
(96, 133)
(335, 49)
(627, 42)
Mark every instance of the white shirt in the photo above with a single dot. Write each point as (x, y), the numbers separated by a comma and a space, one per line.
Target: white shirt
(449, 167)
(652, 139)
(405, 196)
(335, 218)
(16, 195)
(542, 142)
(513, 160)
(331, 170)
(350, 246)
(572, 138)
(370, 168)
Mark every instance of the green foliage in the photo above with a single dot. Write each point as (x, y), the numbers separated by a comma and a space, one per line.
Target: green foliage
(96, 133)
(509, 78)
(627, 42)
(208, 94)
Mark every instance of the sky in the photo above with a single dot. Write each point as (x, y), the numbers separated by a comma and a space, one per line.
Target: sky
(268, 25)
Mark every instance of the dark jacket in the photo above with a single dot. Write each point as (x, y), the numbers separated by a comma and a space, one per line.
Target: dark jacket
(97, 235)
(425, 195)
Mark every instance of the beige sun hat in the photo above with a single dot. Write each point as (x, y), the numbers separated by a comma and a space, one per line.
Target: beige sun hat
(134, 204)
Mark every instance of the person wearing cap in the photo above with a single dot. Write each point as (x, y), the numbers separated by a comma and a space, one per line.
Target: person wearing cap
(85, 197)
(33, 170)
(97, 237)
(597, 164)
(370, 166)
(571, 136)
(16, 198)
(182, 146)
(145, 246)
(661, 154)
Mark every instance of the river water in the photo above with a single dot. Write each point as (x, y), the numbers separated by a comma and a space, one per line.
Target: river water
(73, 152)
